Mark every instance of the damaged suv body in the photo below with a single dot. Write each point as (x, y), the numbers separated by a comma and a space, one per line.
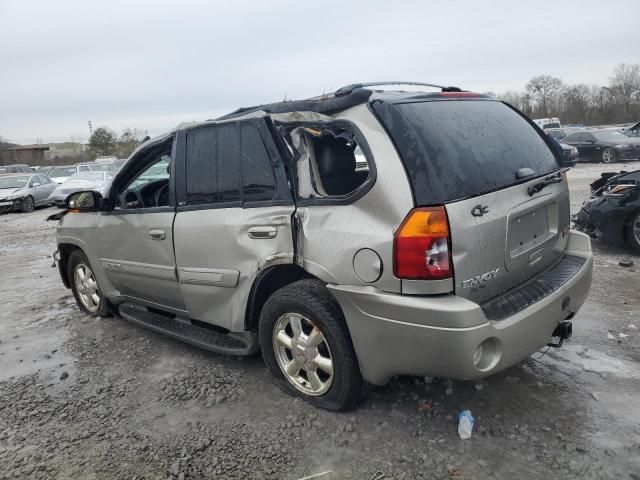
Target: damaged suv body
(350, 238)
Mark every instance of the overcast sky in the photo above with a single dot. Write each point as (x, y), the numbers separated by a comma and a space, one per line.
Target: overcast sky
(152, 64)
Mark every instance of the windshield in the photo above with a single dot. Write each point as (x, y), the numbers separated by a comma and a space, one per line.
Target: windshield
(62, 171)
(14, 182)
(454, 149)
(609, 135)
(93, 176)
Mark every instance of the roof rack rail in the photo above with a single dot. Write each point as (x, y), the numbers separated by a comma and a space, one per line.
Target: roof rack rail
(349, 88)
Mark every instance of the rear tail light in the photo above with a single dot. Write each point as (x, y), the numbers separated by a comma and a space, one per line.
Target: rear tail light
(619, 190)
(421, 246)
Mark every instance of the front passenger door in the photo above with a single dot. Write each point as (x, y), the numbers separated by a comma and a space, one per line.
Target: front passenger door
(135, 236)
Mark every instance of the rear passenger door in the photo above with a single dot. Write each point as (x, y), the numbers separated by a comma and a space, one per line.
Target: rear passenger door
(233, 217)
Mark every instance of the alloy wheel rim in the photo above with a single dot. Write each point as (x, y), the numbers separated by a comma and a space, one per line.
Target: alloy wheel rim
(303, 354)
(29, 204)
(87, 287)
(607, 156)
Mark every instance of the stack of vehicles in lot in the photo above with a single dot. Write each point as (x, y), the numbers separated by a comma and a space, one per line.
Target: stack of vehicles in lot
(613, 210)
(24, 192)
(88, 180)
(604, 145)
(450, 254)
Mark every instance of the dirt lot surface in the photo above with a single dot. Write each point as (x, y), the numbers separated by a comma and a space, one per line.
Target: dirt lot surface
(85, 398)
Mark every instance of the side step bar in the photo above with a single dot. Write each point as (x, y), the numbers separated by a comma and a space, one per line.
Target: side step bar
(238, 344)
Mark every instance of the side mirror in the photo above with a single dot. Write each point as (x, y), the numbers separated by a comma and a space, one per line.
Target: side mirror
(85, 201)
(35, 184)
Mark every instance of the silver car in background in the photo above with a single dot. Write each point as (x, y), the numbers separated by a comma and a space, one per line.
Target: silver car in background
(98, 181)
(24, 192)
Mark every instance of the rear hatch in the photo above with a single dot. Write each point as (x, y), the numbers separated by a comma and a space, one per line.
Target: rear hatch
(479, 158)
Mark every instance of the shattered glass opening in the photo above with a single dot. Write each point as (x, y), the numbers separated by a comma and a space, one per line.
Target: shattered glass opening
(329, 162)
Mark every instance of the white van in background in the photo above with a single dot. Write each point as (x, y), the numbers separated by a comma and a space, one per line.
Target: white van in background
(544, 123)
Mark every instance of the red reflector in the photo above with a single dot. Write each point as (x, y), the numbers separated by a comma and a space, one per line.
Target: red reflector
(421, 245)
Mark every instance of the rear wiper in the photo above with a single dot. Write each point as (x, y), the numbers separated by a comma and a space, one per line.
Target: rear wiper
(554, 178)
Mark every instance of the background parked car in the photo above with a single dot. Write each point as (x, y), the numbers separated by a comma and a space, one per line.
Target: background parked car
(45, 170)
(98, 181)
(604, 145)
(24, 192)
(17, 168)
(62, 173)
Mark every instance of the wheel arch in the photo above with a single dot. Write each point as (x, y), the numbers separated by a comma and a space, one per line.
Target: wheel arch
(65, 250)
(265, 284)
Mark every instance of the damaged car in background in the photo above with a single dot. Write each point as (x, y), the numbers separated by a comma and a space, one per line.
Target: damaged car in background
(350, 238)
(613, 210)
(23, 193)
(98, 181)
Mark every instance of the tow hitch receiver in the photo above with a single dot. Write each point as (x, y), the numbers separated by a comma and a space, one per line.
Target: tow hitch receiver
(561, 333)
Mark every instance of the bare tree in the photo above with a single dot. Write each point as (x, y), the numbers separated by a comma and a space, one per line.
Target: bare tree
(624, 85)
(544, 89)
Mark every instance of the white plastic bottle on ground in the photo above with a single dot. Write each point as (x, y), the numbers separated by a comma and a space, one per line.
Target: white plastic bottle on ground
(465, 424)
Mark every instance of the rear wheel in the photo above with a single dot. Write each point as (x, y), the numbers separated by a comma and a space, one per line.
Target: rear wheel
(306, 345)
(633, 232)
(85, 286)
(609, 155)
(28, 205)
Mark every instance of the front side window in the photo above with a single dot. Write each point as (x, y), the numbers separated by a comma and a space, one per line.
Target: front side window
(149, 188)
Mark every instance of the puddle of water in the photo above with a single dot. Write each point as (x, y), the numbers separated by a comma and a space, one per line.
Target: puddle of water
(578, 357)
(24, 352)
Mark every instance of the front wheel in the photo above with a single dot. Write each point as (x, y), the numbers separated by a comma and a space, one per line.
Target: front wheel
(85, 287)
(306, 345)
(28, 205)
(609, 155)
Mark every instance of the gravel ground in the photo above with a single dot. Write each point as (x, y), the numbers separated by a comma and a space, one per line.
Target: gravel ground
(85, 398)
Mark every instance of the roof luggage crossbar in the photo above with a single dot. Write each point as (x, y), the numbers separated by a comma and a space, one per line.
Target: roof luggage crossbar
(349, 88)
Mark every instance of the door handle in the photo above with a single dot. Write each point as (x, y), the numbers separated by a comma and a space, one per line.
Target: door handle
(262, 232)
(157, 234)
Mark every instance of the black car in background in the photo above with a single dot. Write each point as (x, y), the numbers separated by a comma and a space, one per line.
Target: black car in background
(613, 210)
(606, 146)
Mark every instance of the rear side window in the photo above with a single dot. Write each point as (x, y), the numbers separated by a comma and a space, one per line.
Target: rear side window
(212, 165)
(258, 179)
(455, 149)
(231, 163)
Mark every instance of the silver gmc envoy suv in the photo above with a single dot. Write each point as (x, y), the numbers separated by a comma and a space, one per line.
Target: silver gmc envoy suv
(350, 237)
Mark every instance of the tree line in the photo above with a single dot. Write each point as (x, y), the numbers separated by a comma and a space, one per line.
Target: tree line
(547, 96)
(106, 142)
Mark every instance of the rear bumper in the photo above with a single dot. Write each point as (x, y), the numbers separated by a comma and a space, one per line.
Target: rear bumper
(437, 335)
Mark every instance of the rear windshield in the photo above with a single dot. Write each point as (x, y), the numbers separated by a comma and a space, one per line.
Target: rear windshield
(455, 149)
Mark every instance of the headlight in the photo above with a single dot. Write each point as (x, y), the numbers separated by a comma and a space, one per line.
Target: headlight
(14, 197)
(618, 190)
(622, 146)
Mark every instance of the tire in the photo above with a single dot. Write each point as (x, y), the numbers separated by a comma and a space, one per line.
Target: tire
(28, 205)
(320, 316)
(609, 155)
(82, 292)
(633, 232)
